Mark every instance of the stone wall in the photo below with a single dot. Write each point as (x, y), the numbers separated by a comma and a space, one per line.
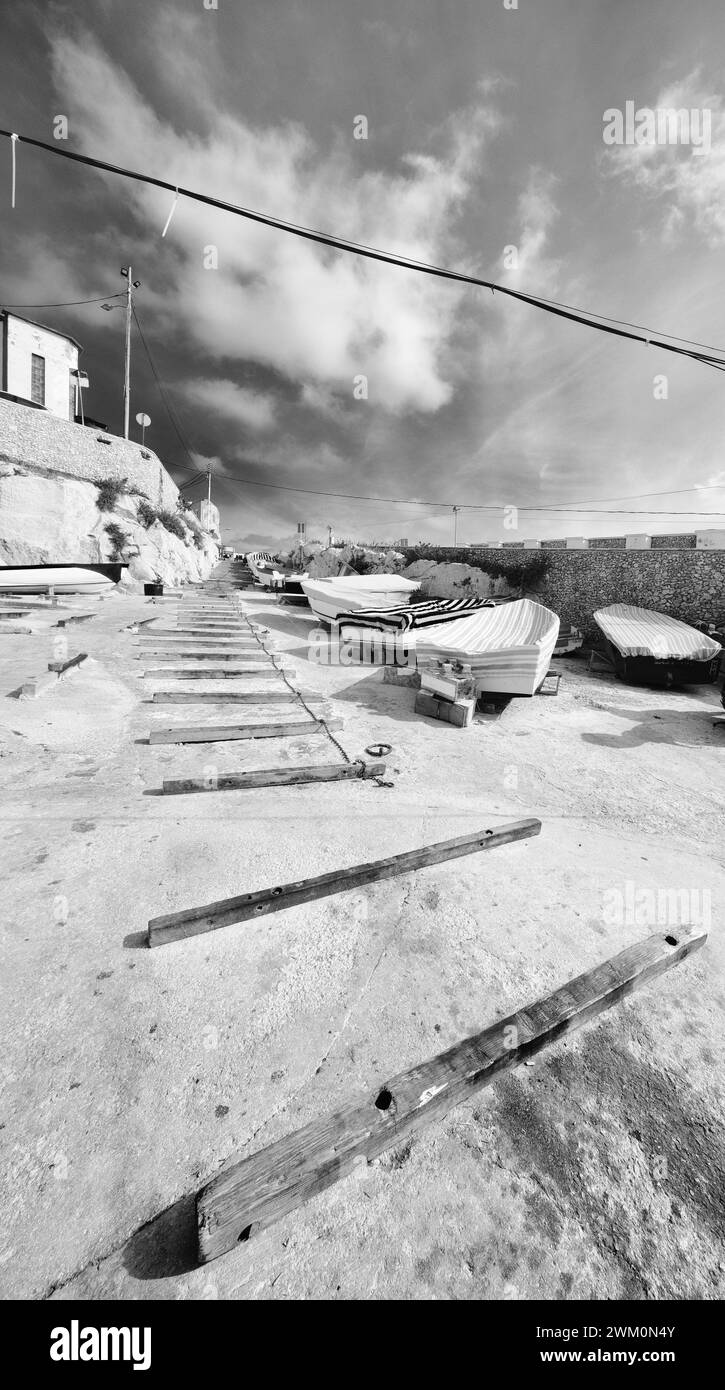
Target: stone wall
(685, 583)
(38, 442)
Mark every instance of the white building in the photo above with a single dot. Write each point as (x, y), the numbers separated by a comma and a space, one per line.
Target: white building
(38, 365)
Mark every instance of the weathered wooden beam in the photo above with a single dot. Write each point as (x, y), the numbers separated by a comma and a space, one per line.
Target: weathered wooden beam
(60, 667)
(214, 733)
(275, 777)
(77, 618)
(249, 906)
(203, 654)
(214, 673)
(283, 696)
(167, 638)
(269, 1184)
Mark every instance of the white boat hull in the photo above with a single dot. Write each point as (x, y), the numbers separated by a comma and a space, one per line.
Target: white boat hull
(508, 648)
(328, 598)
(64, 580)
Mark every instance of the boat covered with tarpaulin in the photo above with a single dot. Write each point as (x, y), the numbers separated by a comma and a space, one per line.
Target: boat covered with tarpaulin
(348, 594)
(507, 648)
(653, 648)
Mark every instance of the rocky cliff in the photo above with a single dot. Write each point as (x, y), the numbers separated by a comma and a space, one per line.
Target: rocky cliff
(56, 518)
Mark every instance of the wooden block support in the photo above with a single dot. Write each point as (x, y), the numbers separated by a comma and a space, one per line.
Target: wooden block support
(252, 1194)
(458, 712)
(275, 777)
(215, 733)
(250, 906)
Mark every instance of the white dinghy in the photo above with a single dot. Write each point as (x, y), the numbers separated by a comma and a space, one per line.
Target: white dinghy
(346, 594)
(64, 579)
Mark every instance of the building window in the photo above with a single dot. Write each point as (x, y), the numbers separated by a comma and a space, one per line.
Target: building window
(37, 380)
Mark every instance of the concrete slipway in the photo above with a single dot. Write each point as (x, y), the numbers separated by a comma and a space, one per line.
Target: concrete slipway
(131, 1076)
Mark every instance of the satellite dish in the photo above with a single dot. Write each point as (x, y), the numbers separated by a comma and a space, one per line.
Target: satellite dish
(144, 421)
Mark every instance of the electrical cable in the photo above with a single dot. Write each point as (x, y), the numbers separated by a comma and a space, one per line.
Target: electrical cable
(613, 327)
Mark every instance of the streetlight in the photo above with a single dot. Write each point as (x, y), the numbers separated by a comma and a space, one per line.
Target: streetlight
(131, 285)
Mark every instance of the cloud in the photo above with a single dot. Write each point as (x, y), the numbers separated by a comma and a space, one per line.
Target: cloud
(687, 182)
(309, 313)
(239, 403)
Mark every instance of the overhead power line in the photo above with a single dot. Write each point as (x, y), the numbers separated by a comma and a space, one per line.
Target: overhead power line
(616, 327)
(67, 304)
(562, 510)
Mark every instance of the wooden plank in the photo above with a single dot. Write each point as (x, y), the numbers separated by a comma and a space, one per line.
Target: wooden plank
(283, 696)
(203, 654)
(77, 618)
(250, 906)
(251, 1195)
(214, 673)
(171, 638)
(61, 666)
(276, 777)
(215, 733)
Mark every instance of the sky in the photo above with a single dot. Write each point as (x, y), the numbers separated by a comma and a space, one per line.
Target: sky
(286, 363)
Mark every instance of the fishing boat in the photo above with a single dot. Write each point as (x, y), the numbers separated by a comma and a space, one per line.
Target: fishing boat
(259, 562)
(272, 574)
(349, 594)
(507, 648)
(64, 579)
(654, 649)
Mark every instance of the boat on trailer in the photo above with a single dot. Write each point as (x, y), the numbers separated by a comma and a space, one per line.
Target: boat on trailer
(507, 648)
(349, 594)
(63, 579)
(653, 649)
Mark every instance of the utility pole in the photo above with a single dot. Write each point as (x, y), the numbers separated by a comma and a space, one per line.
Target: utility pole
(208, 485)
(131, 285)
(456, 510)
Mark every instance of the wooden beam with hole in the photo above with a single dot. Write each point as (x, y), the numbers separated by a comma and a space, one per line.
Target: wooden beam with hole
(252, 1194)
(249, 906)
(275, 777)
(283, 696)
(216, 733)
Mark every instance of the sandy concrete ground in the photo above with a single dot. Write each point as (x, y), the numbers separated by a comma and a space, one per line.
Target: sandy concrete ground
(131, 1076)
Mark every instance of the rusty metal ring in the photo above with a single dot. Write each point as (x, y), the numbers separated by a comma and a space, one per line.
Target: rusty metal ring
(379, 750)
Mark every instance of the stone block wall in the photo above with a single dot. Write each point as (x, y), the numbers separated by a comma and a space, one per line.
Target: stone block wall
(38, 442)
(684, 582)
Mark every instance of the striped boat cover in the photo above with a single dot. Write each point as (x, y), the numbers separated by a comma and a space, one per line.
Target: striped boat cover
(414, 615)
(508, 646)
(641, 632)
